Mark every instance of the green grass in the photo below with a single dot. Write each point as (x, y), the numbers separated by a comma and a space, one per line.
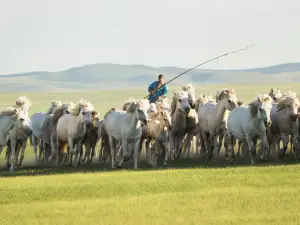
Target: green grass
(185, 193)
(187, 196)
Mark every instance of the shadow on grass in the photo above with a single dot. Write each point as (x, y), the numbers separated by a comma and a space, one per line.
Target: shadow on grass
(221, 162)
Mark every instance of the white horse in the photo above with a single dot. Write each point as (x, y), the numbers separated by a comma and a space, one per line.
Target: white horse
(250, 124)
(213, 119)
(180, 108)
(13, 118)
(71, 129)
(37, 120)
(124, 128)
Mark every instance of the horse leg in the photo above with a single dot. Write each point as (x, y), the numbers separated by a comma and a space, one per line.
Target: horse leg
(215, 147)
(41, 148)
(179, 143)
(24, 144)
(172, 145)
(265, 146)
(34, 142)
(93, 153)
(226, 142)
(250, 148)
(189, 139)
(198, 144)
(231, 143)
(136, 153)
(219, 144)
(285, 142)
(13, 154)
(239, 147)
(294, 143)
(156, 153)
(165, 146)
(88, 153)
(148, 151)
(7, 155)
(113, 152)
(53, 147)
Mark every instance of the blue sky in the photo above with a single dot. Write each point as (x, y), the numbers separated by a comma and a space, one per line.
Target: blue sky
(59, 34)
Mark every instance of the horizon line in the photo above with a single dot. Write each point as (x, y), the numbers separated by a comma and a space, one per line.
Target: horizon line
(155, 67)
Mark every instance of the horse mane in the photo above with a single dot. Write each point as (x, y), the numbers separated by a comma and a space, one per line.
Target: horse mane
(253, 106)
(287, 100)
(222, 93)
(188, 87)
(21, 102)
(112, 109)
(58, 113)
(53, 103)
(134, 104)
(9, 111)
(127, 104)
(81, 104)
(202, 99)
(173, 102)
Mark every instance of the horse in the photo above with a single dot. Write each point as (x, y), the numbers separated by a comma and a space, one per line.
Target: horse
(18, 140)
(284, 123)
(91, 138)
(11, 119)
(213, 119)
(157, 130)
(71, 129)
(124, 127)
(49, 130)
(275, 95)
(37, 120)
(180, 108)
(104, 151)
(249, 124)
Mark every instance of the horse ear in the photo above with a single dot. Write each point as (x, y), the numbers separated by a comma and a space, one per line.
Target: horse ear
(272, 90)
(175, 93)
(259, 98)
(194, 86)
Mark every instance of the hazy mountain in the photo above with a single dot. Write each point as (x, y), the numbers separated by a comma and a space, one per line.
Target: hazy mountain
(104, 76)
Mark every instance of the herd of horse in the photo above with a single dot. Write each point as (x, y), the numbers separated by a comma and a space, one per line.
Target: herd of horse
(59, 134)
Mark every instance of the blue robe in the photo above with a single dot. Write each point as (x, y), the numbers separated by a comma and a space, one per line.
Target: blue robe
(161, 91)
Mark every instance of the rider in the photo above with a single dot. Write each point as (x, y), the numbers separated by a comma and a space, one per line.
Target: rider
(161, 91)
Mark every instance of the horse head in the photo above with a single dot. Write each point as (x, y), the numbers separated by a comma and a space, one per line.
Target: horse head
(228, 97)
(141, 108)
(264, 109)
(183, 102)
(191, 94)
(166, 118)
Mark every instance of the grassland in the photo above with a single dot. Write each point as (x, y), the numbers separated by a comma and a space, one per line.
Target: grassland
(185, 193)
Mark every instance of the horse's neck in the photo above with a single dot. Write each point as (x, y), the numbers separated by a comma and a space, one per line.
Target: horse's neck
(256, 123)
(220, 110)
(162, 125)
(180, 119)
(134, 122)
(80, 121)
(6, 123)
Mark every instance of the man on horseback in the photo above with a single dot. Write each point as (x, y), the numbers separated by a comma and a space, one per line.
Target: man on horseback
(157, 90)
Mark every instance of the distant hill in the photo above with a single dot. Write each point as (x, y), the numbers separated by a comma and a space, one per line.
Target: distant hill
(106, 76)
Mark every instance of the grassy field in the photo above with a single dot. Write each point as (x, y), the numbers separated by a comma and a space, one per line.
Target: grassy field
(185, 193)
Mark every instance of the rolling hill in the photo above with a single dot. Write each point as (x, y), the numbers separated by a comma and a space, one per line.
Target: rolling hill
(109, 76)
